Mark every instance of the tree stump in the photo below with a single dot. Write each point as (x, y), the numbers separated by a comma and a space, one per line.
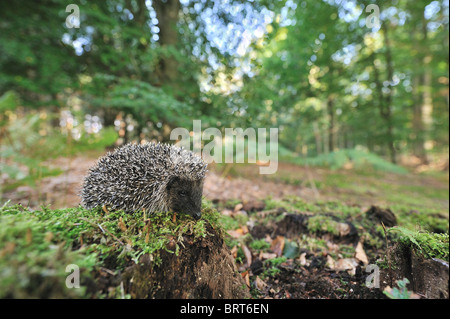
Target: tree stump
(427, 277)
(203, 268)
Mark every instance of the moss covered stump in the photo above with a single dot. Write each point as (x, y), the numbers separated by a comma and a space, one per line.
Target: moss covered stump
(118, 255)
(203, 268)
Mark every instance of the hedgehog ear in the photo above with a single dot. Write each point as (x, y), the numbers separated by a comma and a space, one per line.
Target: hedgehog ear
(172, 180)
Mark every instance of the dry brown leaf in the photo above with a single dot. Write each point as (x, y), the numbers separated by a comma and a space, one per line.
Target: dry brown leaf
(302, 259)
(121, 225)
(330, 262)
(234, 251)
(348, 264)
(238, 207)
(264, 255)
(234, 233)
(246, 277)
(260, 284)
(227, 212)
(247, 254)
(277, 245)
(238, 232)
(360, 254)
(344, 229)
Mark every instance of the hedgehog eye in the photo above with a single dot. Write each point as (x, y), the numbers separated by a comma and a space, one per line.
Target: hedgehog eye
(182, 193)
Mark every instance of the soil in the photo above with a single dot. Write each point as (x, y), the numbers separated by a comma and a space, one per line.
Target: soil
(316, 278)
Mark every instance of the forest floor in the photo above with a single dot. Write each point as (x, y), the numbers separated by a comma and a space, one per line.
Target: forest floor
(303, 232)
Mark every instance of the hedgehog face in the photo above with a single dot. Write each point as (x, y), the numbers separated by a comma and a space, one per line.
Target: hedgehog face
(185, 196)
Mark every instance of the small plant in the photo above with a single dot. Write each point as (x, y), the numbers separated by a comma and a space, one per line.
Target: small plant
(272, 266)
(401, 292)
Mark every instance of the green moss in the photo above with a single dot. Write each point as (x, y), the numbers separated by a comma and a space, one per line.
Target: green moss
(36, 246)
(321, 223)
(271, 266)
(259, 244)
(427, 245)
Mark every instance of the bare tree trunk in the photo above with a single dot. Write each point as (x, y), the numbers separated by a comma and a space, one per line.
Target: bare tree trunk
(417, 122)
(167, 13)
(385, 100)
(318, 138)
(331, 124)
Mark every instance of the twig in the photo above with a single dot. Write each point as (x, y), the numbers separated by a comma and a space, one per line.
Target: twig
(112, 235)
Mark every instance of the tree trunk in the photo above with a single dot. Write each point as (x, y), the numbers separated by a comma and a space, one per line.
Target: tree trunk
(318, 138)
(204, 268)
(331, 124)
(385, 100)
(167, 13)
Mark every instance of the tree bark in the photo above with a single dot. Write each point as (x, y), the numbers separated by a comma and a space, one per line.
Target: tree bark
(331, 124)
(167, 13)
(385, 100)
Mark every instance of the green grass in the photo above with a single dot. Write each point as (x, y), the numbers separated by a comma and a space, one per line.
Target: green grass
(338, 159)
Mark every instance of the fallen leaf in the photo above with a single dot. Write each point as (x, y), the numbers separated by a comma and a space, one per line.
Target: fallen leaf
(360, 254)
(263, 255)
(348, 264)
(277, 245)
(246, 277)
(260, 284)
(330, 262)
(344, 229)
(238, 232)
(302, 259)
(234, 251)
(234, 233)
(291, 249)
(238, 207)
(227, 212)
(247, 254)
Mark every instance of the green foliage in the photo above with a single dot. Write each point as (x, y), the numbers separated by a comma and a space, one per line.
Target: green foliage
(358, 158)
(8, 101)
(401, 292)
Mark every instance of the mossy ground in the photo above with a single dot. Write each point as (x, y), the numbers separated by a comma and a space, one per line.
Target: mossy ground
(36, 246)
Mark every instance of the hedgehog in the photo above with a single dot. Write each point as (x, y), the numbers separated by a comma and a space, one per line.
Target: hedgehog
(153, 177)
